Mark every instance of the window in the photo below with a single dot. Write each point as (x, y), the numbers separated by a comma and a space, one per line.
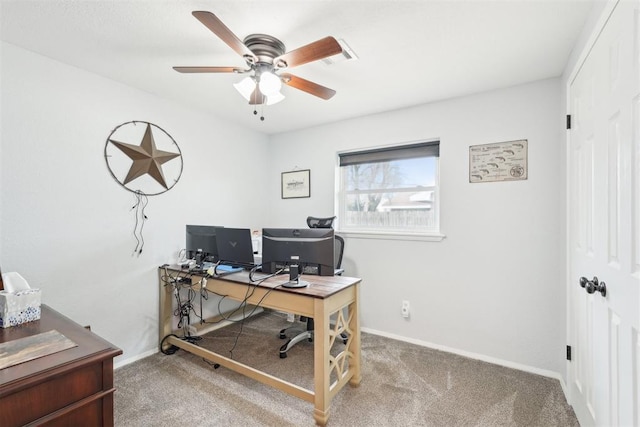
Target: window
(391, 190)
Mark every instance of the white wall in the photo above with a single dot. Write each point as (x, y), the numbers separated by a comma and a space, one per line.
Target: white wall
(66, 224)
(494, 287)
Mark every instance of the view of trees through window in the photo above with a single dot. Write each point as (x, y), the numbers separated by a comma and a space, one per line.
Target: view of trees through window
(391, 195)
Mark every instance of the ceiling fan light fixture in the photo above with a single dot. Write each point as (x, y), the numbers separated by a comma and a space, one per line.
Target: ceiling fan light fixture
(275, 98)
(270, 84)
(246, 87)
(265, 55)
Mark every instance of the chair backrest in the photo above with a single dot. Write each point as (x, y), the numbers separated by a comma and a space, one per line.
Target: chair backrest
(314, 222)
(338, 251)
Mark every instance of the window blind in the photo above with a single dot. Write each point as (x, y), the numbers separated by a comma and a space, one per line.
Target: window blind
(423, 149)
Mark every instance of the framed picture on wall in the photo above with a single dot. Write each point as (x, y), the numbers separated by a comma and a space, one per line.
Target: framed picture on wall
(296, 184)
(500, 161)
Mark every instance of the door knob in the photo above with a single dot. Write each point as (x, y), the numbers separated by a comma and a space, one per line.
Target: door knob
(583, 282)
(594, 285)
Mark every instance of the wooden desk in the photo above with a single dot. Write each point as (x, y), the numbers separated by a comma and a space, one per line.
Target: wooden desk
(324, 297)
(73, 387)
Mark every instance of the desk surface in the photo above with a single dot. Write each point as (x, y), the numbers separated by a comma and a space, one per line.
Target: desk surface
(319, 286)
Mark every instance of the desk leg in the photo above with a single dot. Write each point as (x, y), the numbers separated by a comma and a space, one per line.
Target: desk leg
(354, 325)
(165, 306)
(321, 369)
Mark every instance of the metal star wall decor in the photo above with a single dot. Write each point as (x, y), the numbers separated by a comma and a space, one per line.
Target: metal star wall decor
(132, 165)
(150, 168)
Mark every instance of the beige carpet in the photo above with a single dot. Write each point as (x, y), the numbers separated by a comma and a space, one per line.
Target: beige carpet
(402, 385)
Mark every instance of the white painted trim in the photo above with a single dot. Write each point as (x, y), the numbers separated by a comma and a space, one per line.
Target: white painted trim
(595, 33)
(565, 390)
(567, 243)
(432, 237)
(471, 355)
(130, 360)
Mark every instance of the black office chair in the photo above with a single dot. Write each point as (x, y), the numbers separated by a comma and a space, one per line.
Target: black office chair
(314, 222)
(307, 334)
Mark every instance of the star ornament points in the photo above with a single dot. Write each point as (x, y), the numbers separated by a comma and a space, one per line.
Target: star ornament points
(147, 159)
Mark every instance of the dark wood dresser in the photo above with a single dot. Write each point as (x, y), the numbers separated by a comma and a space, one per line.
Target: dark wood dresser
(73, 387)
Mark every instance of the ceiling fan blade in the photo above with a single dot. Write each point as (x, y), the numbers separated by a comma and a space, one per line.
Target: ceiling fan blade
(319, 49)
(257, 98)
(216, 26)
(209, 70)
(307, 86)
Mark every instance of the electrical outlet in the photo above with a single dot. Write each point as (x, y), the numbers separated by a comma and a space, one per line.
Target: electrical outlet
(405, 309)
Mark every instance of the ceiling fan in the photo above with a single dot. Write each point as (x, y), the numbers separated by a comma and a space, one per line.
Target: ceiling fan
(266, 56)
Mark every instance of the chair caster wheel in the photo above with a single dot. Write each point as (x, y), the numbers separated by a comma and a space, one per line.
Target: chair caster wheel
(282, 336)
(283, 355)
(345, 338)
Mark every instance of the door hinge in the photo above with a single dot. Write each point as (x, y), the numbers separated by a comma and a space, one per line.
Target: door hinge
(568, 121)
(568, 352)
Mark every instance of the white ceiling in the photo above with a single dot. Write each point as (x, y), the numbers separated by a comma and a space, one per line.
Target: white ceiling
(410, 52)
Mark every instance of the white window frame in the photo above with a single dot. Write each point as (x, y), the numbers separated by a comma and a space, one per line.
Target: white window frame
(371, 233)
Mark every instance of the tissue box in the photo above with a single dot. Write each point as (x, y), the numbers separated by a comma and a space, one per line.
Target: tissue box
(19, 307)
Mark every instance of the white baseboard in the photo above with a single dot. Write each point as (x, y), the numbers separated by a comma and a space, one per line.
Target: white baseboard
(476, 356)
(471, 355)
(121, 363)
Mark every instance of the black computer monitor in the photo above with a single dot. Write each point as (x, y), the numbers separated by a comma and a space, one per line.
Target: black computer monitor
(309, 248)
(235, 247)
(201, 243)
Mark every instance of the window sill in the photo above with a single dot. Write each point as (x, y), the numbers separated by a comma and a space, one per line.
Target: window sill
(419, 237)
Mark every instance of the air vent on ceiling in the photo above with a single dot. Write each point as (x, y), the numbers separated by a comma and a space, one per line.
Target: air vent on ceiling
(347, 54)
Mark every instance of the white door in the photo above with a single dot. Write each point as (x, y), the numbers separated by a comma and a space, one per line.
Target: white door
(604, 225)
